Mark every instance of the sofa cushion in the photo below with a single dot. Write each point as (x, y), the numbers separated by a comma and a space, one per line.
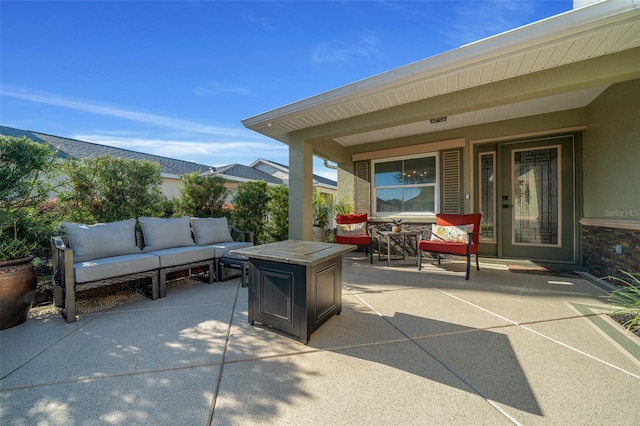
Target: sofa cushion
(451, 234)
(90, 242)
(221, 249)
(115, 266)
(162, 233)
(210, 230)
(182, 255)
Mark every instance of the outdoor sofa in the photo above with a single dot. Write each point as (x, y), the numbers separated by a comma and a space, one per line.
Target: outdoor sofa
(91, 256)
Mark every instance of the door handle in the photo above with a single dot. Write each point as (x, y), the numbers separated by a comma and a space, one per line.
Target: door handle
(506, 206)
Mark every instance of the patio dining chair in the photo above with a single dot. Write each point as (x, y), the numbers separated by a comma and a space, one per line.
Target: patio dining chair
(353, 229)
(456, 234)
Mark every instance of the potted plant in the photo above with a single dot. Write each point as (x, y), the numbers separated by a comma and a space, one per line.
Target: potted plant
(396, 225)
(18, 281)
(325, 207)
(24, 184)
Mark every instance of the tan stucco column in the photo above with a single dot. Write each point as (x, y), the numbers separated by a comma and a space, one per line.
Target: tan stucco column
(300, 190)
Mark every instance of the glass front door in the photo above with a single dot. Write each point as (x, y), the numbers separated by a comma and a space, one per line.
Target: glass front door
(537, 200)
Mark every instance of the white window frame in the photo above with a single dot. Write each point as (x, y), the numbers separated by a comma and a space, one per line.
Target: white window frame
(435, 185)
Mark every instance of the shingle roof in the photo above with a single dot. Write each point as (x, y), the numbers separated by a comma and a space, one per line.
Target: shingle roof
(76, 149)
(246, 172)
(317, 178)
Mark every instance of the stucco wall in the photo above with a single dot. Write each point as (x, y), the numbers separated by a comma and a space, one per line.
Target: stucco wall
(171, 187)
(611, 154)
(514, 129)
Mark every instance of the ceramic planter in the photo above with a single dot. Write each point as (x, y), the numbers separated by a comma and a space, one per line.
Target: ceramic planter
(18, 284)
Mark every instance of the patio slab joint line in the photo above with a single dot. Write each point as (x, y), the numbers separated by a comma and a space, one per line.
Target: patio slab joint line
(48, 347)
(222, 360)
(445, 366)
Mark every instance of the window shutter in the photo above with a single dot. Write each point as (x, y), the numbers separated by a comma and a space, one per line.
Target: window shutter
(451, 182)
(363, 189)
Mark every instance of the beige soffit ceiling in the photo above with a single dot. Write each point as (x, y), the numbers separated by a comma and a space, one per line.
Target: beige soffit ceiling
(594, 30)
(549, 104)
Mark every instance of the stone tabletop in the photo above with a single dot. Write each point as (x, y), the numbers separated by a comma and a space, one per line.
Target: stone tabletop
(307, 253)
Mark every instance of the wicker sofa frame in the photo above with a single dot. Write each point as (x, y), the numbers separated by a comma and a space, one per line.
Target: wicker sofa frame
(66, 288)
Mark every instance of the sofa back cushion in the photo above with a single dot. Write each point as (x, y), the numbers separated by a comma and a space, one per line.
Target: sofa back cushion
(101, 240)
(162, 233)
(211, 230)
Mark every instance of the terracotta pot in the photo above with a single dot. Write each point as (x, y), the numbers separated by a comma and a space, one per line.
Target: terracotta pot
(396, 228)
(18, 284)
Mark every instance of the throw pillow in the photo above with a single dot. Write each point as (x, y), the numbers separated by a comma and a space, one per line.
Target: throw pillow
(210, 230)
(351, 230)
(451, 234)
(160, 233)
(90, 242)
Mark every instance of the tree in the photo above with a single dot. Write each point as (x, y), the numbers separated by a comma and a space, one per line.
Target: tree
(250, 208)
(25, 169)
(277, 227)
(26, 172)
(202, 196)
(107, 189)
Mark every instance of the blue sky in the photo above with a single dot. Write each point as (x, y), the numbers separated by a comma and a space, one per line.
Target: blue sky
(174, 78)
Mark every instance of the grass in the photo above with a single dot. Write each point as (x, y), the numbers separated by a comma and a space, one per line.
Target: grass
(627, 298)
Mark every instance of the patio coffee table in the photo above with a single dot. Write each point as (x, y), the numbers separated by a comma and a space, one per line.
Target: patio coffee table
(388, 235)
(295, 286)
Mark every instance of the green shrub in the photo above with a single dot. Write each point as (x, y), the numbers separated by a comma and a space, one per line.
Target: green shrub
(26, 175)
(107, 189)
(202, 196)
(277, 226)
(627, 297)
(250, 208)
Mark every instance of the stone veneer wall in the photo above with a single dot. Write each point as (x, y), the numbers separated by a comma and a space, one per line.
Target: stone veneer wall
(598, 245)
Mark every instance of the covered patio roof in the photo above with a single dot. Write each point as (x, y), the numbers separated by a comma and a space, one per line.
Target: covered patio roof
(497, 78)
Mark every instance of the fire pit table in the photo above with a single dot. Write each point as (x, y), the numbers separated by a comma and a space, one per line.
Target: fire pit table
(295, 286)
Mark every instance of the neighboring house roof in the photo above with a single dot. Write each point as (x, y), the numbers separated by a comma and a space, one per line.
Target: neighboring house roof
(284, 168)
(76, 149)
(424, 93)
(243, 173)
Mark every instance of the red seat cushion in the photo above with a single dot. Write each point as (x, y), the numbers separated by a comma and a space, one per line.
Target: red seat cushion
(359, 241)
(444, 247)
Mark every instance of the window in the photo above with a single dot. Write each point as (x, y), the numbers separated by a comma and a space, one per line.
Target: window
(406, 185)
(487, 196)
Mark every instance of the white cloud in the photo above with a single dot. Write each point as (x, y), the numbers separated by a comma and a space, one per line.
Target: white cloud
(478, 20)
(343, 53)
(157, 120)
(201, 152)
(216, 89)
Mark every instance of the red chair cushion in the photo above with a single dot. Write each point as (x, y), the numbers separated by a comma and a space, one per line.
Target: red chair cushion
(349, 219)
(345, 219)
(448, 248)
(359, 241)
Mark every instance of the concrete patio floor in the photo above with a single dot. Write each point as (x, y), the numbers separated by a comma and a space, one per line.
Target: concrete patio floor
(410, 347)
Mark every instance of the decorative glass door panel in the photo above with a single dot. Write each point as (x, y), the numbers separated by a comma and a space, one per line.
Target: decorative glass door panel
(487, 180)
(536, 196)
